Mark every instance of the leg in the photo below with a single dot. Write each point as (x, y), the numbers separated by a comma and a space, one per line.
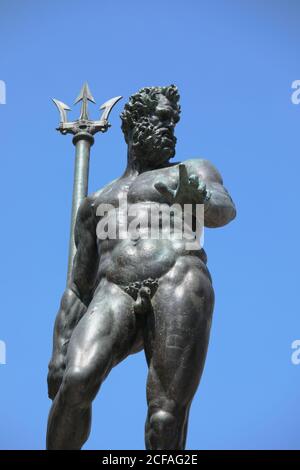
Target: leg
(102, 338)
(176, 341)
(70, 312)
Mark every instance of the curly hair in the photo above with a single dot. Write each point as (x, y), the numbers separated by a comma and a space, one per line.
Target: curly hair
(144, 102)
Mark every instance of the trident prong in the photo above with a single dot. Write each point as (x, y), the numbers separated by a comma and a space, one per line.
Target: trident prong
(83, 130)
(62, 108)
(83, 123)
(85, 95)
(108, 106)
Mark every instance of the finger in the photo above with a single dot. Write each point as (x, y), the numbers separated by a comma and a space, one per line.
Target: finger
(194, 181)
(207, 195)
(202, 187)
(183, 174)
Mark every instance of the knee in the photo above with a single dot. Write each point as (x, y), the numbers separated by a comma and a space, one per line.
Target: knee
(163, 429)
(162, 421)
(54, 378)
(79, 387)
(54, 381)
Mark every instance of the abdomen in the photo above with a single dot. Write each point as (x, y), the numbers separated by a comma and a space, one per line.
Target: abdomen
(131, 261)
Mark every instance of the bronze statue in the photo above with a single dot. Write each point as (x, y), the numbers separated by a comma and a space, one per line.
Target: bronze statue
(139, 292)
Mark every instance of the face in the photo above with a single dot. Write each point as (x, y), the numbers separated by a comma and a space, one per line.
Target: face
(153, 137)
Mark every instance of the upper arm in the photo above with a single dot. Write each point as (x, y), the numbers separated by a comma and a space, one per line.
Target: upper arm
(86, 258)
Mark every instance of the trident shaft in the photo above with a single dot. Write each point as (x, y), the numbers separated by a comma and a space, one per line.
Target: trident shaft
(83, 130)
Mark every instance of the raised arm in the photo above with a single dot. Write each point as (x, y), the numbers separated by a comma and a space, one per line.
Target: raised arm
(200, 183)
(219, 208)
(78, 293)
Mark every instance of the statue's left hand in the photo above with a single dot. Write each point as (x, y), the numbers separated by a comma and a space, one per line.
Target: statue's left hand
(189, 189)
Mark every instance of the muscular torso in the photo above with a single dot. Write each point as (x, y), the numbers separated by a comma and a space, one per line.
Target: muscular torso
(139, 256)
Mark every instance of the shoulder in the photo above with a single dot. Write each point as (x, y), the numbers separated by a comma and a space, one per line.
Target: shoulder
(94, 197)
(90, 202)
(204, 169)
(88, 205)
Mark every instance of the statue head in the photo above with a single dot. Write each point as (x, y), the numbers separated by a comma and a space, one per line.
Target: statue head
(148, 123)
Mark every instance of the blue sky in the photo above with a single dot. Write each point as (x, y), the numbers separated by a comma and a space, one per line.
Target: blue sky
(234, 62)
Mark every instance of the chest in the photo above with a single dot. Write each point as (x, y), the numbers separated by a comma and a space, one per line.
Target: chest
(140, 188)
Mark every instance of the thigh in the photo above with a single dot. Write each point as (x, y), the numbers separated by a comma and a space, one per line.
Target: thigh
(177, 333)
(105, 334)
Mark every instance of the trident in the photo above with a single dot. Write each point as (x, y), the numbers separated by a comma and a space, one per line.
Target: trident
(83, 130)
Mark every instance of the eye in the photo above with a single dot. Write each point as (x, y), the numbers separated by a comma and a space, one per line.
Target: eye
(164, 114)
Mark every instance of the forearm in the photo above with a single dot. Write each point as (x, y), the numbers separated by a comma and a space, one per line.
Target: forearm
(219, 210)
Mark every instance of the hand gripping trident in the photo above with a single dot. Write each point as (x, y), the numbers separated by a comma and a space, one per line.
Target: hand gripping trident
(83, 130)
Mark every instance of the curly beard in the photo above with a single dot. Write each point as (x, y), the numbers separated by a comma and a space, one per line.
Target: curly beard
(153, 144)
